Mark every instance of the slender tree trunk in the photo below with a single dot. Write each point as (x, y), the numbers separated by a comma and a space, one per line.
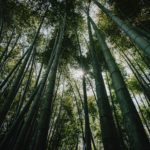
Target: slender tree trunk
(137, 72)
(4, 53)
(13, 70)
(36, 102)
(147, 102)
(132, 121)
(56, 124)
(14, 90)
(15, 124)
(143, 44)
(92, 89)
(1, 28)
(121, 137)
(43, 124)
(138, 77)
(87, 122)
(26, 88)
(109, 132)
(141, 113)
(2, 3)
(79, 111)
(10, 52)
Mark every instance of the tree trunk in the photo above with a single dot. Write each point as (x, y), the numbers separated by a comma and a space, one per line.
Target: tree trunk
(143, 44)
(109, 132)
(86, 113)
(132, 121)
(43, 124)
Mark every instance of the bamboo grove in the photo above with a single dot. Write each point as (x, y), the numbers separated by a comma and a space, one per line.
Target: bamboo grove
(74, 75)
